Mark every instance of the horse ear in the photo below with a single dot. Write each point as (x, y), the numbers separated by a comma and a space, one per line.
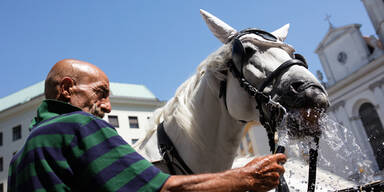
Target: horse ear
(281, 33)
(221, 30)
(238, 54)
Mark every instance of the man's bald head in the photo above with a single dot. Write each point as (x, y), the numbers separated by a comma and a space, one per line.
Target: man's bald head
(79, 83)
(77, 70)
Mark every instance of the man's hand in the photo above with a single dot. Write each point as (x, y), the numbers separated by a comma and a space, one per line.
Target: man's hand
(265, 171)
(261, 174)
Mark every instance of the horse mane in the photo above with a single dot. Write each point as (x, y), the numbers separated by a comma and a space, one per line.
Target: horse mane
(180, 106)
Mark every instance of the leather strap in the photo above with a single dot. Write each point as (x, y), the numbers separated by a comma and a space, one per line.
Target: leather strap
(280, 70)
(169, 153)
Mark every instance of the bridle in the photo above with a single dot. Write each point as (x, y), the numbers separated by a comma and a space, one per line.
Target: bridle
(276, 111)
(236, 64)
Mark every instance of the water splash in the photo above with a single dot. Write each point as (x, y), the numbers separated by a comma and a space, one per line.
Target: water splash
(340, 142)
(339, 152)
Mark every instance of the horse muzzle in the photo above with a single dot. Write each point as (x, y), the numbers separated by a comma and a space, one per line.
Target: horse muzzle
(306, 103)
(306, 95)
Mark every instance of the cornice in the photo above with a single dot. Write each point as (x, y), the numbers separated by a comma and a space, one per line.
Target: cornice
(359, 74)
(21, 106)
(333, 107)
(136, 101)
(375, 84)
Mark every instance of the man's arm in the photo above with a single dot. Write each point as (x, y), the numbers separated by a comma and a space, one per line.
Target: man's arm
(261, 174)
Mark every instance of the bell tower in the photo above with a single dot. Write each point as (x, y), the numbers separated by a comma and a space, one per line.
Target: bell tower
(375, 10)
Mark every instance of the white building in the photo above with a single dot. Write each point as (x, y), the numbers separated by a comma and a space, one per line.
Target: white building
(132, 108)
(354, 67)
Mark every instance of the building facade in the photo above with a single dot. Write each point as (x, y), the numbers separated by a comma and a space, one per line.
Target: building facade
(354, 67)
(132, 108)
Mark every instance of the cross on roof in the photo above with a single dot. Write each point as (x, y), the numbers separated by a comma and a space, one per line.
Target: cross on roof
(328, 18)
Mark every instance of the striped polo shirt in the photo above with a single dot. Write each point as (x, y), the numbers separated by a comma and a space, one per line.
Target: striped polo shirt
(71, 150)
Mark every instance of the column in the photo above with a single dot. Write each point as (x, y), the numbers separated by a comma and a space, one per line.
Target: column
(378, 92)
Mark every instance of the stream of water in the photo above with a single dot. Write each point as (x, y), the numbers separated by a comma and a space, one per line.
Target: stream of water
(340, 155)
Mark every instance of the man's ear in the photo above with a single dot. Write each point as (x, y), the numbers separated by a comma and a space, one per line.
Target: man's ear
(66, 85)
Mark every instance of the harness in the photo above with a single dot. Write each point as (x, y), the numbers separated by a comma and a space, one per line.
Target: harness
(169, 153)
(269, 121)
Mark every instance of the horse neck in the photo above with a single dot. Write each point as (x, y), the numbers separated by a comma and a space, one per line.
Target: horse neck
(209, 141)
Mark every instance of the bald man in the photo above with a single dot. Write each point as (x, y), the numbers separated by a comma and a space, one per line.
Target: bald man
(80, 84)
(70, 148)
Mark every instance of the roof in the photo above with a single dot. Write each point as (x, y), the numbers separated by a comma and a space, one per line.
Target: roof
(117, 90)
(22, 96)
(131, 91)
(373, 42)
(334, 33)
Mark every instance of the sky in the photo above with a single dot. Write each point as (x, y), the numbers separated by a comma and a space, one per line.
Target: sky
(158, 44)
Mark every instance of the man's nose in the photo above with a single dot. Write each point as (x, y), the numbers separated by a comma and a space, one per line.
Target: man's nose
(106, 105)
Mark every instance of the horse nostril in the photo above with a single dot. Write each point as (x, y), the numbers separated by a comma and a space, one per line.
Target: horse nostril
(296, 86)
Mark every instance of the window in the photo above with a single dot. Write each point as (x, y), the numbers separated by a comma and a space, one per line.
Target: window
(134, 141)
(1, 164)
(16, 133)
(113, 120)
(370, 48)
(342, 57)
(133, 122)
(1, 187)
(374, 130)
(1, 139)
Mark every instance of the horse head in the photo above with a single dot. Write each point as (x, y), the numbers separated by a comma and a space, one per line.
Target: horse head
(268, 69)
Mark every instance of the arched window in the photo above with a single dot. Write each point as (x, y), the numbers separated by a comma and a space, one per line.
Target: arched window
(374, 130)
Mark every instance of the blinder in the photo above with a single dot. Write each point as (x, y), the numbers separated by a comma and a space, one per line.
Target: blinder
(238, 52)
(264, 34)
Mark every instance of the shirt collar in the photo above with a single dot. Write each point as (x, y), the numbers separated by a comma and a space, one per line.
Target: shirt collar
(51, 108)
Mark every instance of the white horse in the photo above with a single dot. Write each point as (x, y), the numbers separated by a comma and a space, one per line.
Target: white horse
(204, 119)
